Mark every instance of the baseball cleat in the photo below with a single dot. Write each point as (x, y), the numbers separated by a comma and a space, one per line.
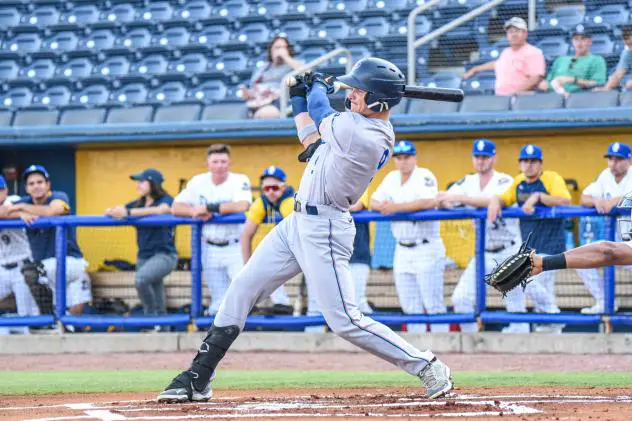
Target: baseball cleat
(182, 389)
(436, 377)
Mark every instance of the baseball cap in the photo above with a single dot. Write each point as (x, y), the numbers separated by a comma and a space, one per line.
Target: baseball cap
(275, 172)
(530, 152)
(580, 30)
(404, 147)
(483, 147)
(3, 183)
(516, 22)
(35, 169)
(620, 150)
(150, 174)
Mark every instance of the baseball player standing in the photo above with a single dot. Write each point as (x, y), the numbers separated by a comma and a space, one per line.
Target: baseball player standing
(604, 194)
(419, 261)
(43, 201)
(317, 239)
(502, 237)
(217, 192)
(360, 262)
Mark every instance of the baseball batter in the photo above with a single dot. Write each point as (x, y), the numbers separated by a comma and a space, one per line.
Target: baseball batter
(502, 237)
(604, 194)
(318, 237)
(419, 254)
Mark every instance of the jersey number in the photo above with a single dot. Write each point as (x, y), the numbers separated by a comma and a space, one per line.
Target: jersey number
(383, 159)
(6, 239)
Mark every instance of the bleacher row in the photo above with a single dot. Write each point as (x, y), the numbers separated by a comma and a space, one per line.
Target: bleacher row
(57, 56)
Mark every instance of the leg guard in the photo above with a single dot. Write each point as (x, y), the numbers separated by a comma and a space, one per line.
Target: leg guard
(211, 352)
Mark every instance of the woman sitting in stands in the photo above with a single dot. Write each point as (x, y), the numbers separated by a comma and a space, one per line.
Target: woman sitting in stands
(157, 256)
(262, 96)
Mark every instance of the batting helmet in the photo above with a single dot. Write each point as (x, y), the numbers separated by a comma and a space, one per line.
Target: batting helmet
(383, 81)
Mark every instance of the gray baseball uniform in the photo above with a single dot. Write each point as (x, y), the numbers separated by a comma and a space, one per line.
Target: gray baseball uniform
(318, 240)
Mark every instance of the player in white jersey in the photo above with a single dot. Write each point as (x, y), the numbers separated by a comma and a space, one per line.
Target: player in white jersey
(604, 194)
(419, 254)
(502, 238)
(318, 237)
(14, 252)
(222, 192)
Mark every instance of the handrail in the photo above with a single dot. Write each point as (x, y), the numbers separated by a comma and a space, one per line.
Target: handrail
(284, 96)
(413, 45)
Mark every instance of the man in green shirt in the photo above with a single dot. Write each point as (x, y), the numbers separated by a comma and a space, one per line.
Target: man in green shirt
(573, 73)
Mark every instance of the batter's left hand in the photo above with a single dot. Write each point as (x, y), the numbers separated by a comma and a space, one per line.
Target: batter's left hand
(315, 77)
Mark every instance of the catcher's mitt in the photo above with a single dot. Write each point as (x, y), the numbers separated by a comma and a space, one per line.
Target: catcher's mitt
(513, 271)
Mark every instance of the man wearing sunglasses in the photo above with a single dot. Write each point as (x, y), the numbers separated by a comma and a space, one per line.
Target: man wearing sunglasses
(584, 70)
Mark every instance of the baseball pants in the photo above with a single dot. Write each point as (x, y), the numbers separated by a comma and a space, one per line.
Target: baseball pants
(419, 282)
(78, 288)
(541, 290)
(360, 275)
(320, 246)
(594, 282)
(150, 282)
(11, 280)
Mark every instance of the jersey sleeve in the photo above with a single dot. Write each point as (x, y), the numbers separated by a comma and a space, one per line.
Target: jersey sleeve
(458, 187)
(339, 129)
(509, 195)
(188, 195)
(287, 206)
(381, 194)
(364, 199)
(555, 185)
(133, 204)
(593, 189)
(257, 212)
(165, 200)
(61, 198)
(430, 186)
(242, 191)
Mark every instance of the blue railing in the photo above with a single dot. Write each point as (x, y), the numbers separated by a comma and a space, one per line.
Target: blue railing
(195, 317)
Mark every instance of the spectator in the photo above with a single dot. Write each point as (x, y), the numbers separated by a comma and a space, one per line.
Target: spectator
(262, 96)
(157, 256)
(624, 65)
(584, 70)
(217, 192)
(360, 262)
(41, 200)
(277, 200)
(532, 187)
(419, 254)
(520, 67)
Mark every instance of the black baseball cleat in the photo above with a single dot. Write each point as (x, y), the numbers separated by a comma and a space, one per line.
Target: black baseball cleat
(182, 389)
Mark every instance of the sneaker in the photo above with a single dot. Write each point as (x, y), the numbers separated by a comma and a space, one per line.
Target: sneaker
(596, 309)
(436, 378)
(181, 389)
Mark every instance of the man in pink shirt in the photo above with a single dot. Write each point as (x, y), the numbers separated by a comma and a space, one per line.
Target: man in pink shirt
(520, 67)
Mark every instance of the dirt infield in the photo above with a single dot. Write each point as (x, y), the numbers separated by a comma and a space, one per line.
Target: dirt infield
(530, 404)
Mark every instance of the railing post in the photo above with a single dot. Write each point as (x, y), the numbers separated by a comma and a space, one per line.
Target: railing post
(609, 271)
(479, 255)
(60, 284)
(196, 270)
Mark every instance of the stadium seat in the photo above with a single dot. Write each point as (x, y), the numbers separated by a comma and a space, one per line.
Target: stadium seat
(5, 117)
(545, 101)
(41, 16)
(154, 64)
(422, 26)
(420, 106)
(275, 8)
(42, 117)
(113, 66)
(139, 114)
(168, 92)
(98, 40)
(194, 10)
(156, 11)
(92, 95)
(611, 14)
(83, 14)
(553, 47)
(42, 68)
(297, 31)
(23, 43)
(56, 96)
(172, 37)
(602, 45)
(225, 111)
(254, 33)
(212, 36)
(493, 52)
(9, 17)
(373, 27)
(232, 9)
(349, 7)
(444, 79)
(61, 42)
(593, 100)
(17, 97)
(333, 30)
(306, 8)
(82, 116)
(8, 69)
(209, 91)
(485, 103)
(387, 6)
(135, 38)
(119, 13)
(626, 99)
(482, 83)
(230, 62)
(189, 64)
(312, 53)
(177, 113)
(75, 68)
(566, 17)
(133, 93)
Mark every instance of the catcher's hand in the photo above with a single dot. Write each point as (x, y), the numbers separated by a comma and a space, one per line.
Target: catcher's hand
(326, 80)
(513, 271)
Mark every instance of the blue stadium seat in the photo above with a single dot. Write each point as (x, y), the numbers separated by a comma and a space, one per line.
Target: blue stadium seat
(209, 91)
(135, 38)
(42, 68)
(8, 69)
(61, 42)
(177, 113)
(485, 103)
(388, 6)
(347, 6)
(156, 11)
(612, 14)
(254, 33)
(168, 92)
(311, 53)
(212, 36)
(297, 31)
(271, 8)
(35, 117)
(553, 47)
(84, 14)
(566, 17)
(9, 17)
(444, 79)
(422, 26)
(602, 45)
(230, 62)
(112, 67)
(79, 116)
(303, 8)
(133, 93)
(547, 101)
(482, 83)
(17, 97)
(373, 27)
(56, 96)
(127, 115)
(357, 52)
(226, 111)
(75, 68)
(189, 64)
(195, 10)
(92, 95)
(172, 37)
(232, 9)
(333, 30)
(626, 99)
(119, 13)
(41, 16)
(596, 4)
(493, 52)
(153, 64)
(23, 43)
(98, 40)
(593, 99)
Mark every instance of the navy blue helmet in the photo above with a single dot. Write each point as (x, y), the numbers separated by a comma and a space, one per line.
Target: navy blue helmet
(383, 81)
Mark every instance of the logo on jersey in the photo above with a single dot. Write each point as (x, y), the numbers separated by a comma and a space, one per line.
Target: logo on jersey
(429, 182)
(246, 186)
(504, 181)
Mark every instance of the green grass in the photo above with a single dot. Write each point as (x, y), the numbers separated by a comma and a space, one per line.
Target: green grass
(53, 382)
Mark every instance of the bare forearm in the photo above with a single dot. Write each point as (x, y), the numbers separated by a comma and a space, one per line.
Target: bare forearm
(38, 210)
(490, 65)
(182, 209)
(417, 205)
(587, 201)
(530, 84)
(615, 79)
(246, 248)
(548, 200)
(156, 210)
(476, 202)
(599, 254)
(233, 207)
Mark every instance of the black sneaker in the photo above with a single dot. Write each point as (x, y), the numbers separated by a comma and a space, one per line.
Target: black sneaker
(182, 389)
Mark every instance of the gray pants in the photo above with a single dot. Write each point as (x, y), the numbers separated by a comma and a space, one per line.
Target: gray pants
(319, 246)
(150, 274)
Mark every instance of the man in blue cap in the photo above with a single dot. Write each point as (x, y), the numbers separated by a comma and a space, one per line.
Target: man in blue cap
(41, 200)
(604, 194)
(502, 237)
(537, 187)
(419, 261)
